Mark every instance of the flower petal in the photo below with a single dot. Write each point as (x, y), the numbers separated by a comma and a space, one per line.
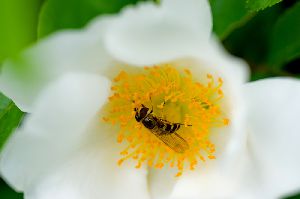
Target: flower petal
(161, 182)
(216, 58)
(215, 181)
(204, 184)
(22, 79)
(274, 138)
(149, 34)
(55, 130)
(93, 174)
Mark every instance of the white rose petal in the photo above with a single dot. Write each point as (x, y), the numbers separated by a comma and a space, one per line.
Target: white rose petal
(56, 128)
(68, 51)
(274, 134)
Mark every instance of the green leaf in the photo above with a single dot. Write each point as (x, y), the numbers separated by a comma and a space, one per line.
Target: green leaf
(18, 21)
(228, 15)
(7, 193)
(256, 5)
(10, 117)
(251, 41)
(57, 14)
(285, 39)
(293, 197)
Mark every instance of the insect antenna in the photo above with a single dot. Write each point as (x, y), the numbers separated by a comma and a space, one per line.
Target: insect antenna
(151, 104)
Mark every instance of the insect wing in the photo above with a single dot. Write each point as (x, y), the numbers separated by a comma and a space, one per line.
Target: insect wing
(174, 141)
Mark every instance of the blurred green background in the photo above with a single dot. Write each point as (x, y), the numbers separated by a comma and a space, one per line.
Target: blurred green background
(265, 33)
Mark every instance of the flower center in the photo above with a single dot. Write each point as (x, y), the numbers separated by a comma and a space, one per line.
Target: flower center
(165, 116)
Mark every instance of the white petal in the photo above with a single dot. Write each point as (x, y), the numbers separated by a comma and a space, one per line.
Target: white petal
(211, 181)
(149, 34)
(274, 138)
(216, 58)
(204, 185)
(93, 174)
(194, 13)
(23, 79)
(161, 182)
(55, 130)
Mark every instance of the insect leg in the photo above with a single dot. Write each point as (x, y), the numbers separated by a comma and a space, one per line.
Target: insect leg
(183, 124)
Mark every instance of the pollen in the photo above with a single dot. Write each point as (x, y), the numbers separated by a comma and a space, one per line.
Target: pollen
(183, 110)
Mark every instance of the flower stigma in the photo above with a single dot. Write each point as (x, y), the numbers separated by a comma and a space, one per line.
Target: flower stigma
(165, 116)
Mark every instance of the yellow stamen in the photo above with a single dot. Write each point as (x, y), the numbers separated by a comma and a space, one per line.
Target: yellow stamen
(175, 98)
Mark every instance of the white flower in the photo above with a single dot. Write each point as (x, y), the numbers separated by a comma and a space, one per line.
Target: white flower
(64, 150)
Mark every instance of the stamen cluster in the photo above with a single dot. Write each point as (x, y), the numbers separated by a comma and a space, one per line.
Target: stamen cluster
(175, 97)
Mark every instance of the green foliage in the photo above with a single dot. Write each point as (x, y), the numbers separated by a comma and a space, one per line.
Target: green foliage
(251, 41)
(17, 24)
(10, 117)
(58, 14)
(8, 193)
(285, 39)
(255, 5)
(228, 15)
(294, 197)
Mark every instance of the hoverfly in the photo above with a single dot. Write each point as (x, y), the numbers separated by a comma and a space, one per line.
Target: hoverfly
(162, 129)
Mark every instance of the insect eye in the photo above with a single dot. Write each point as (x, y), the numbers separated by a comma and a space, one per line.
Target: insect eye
(143, 112)
(137, 117)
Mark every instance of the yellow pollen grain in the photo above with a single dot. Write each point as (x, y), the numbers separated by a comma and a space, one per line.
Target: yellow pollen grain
(175, 97)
